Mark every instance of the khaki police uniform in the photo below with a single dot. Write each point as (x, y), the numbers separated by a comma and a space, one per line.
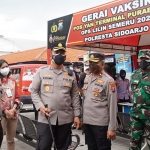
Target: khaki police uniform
(59, 90)
(100, 103)
(99, 109)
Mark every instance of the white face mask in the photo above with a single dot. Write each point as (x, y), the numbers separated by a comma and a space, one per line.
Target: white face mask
(29, 73)
(5, 71)
(77, 70)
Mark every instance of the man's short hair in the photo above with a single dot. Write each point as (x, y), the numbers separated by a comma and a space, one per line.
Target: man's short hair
(87, 69)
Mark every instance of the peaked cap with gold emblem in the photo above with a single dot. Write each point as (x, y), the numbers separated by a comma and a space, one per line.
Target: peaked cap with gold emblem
(96, 57)
(58, 46)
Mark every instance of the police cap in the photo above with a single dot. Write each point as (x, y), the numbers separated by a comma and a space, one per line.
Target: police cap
(58, 46)
(96, 57)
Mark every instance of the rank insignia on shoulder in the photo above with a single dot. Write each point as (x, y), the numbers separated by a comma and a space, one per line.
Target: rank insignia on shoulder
(96, 94)
(47, 88)
(112, 86)
(100, 81)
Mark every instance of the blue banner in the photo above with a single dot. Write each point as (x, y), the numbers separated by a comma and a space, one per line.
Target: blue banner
(123, 61)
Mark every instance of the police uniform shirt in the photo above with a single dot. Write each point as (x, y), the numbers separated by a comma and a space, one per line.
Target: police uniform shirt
(59, 90)
(100, 103)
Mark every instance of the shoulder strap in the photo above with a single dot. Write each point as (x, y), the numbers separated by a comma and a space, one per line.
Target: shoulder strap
(70, 72)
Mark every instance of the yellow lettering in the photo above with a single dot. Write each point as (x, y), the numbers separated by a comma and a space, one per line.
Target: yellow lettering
(89, 25)
(139, 12)
(79, 27)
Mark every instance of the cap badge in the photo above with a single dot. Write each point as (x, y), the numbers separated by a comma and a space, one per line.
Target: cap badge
(59, 45)
(92, 56)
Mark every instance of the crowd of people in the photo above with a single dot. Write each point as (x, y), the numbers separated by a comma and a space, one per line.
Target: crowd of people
(89, 98)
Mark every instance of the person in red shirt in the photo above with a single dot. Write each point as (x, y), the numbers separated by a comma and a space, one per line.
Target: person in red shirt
(9, 103)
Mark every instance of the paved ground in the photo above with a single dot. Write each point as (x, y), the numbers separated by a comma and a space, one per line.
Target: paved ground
(118, 144)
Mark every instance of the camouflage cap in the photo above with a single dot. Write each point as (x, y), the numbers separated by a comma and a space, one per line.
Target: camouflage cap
(144, 53)
(96, 57)
(58, 46)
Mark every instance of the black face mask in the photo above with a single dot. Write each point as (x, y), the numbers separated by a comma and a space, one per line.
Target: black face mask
(59, 59)
(95, 69)
(144, 64)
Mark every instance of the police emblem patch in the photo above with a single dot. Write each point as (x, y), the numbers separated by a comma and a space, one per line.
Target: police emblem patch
(112, 86)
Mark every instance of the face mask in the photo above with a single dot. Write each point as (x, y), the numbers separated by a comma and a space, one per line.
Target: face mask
(144, 64)
(77, 70)
(95, 69)
(59, 59)
(29, 73)
(5, 71)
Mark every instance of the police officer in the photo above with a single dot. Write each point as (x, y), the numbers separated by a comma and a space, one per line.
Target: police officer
(55, 86)
(100, 105)
(140, 112)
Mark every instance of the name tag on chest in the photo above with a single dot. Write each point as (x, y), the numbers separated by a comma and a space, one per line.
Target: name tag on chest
(8, 92)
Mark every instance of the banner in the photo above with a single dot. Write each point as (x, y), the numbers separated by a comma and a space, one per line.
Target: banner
(114, 20)
(123, 61)
(120, 18)
(58, 30)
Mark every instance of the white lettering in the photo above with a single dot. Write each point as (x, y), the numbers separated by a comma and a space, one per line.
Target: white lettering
(135, 4)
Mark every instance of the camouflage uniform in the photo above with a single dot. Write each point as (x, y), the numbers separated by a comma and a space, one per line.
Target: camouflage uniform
(140, 112)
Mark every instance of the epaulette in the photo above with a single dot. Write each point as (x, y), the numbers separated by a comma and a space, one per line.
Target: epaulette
(70, 72)
(44, 67)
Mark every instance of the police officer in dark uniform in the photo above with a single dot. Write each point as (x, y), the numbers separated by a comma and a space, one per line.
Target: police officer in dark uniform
(57, 87)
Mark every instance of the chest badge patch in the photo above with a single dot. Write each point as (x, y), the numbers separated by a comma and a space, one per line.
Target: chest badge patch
(100, 81)
(47, 88)
(96, 89)
(47, 75)
(86, 80)
(96, 94)
(112, 86)
(67, 84)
